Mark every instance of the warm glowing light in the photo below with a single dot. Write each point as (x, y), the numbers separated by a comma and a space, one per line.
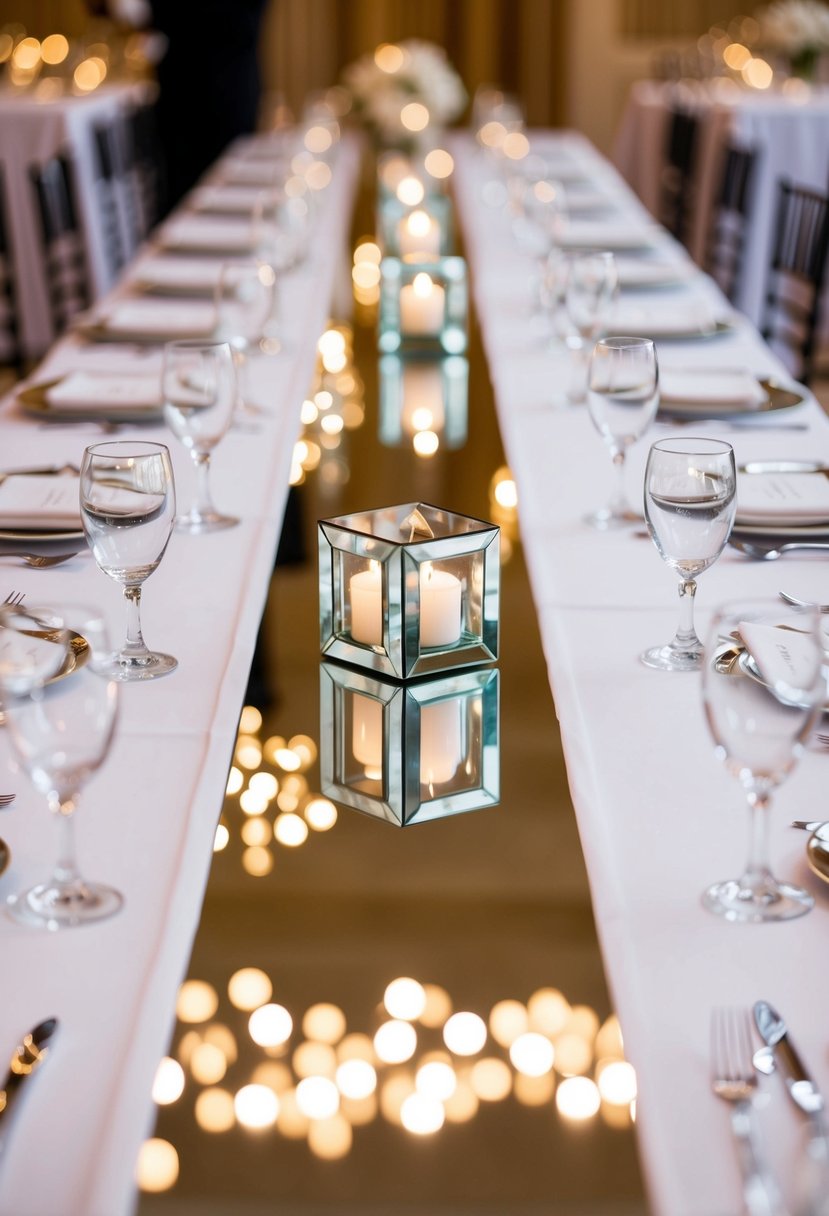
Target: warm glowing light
(157, 1167)
(250, 720)
(314, 1060)
(6, 47)
(257, 861)
(197, 1001)
(222, 1036)
(465, 1034)
(368, 251)
(508, 1020)
(256, 831)
(320, 814)
(463, 1104)
(438, 1006)
(365, 275)
(395, 1042)
(264, 784)
(506, 494)
(422, 1115)
(532, 1054)
(425, 443)
(422, 419)
(573, 1054)
(208, 1063)
(168, 1085)
(89, 74)
(332, 424)
(757, 74)
(308, 414)
(248, 988)
(736, 56)
(248, 751)
(515, 145)
(389, 58)
(54, 48)
(492, 134)
(271, 747)
(330, 1139)
(26, 54)
(214, 1110)
(491, 1079)
(583, 1021)
(324, 1022)
(332, 342)
(410, 191)
(436, 1080)
(221, 838)
(256, 1106)
(617, 1083)
(439, 163)
(534, 1091)
(356, 1047)
(235, 781)
(577, 1098)
(270, 1025)
(318, 140)
(290, 1120)
(609, 1039)
(273, 1073)
(317, 1097)
(287, 760)
(253, 803)
(356, 1079)
(422, 285)
(290, 830)
(548, 1010)
(405, 999)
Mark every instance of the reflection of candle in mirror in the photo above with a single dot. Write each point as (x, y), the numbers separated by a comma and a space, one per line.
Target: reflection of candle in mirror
(422, 306)
(367, 731)
(366, 591)
(440, 607)
(440, 740)
(418, 233)
(423, 408)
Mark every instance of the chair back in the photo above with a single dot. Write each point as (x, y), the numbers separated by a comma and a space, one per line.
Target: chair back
(109, 162)
(678, 174)
(64, 254)
(729, 219)
(11, 352)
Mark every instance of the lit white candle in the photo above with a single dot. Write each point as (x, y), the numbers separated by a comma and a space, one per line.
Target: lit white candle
(422, 304)
(440, 741)
(418, 233)
(423, 408)
(366, 592)
(440, 607)
(367, 732)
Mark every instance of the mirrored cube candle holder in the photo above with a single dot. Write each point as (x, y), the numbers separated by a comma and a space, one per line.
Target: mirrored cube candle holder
(419, 232)
(423, 402)
(423, 305)
(408, 178)
(409, 590)
(407, 753)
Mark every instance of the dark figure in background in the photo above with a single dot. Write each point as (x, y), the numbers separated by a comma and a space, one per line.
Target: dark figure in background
(209, 84)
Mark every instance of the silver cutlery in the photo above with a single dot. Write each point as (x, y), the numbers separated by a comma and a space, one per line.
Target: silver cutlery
(734, 1079)
(26, 1059)
(769, 551)
(39, 561)
(15, 598)
(7, 799)
(792, 599)
(812, 825)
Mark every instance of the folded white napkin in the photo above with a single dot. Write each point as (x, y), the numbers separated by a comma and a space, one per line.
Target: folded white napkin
(708, 386)
(165, 318)
(178, 274)
(785, 659)
(40, 501)
(251, 172)
(641, 272)
(227, 199)
(668, 320)
(207, 232)
(80, 390)
(796, 499)
(605, 234)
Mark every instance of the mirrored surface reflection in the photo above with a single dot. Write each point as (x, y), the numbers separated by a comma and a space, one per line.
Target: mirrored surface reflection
(385, 1023)
(423, 403)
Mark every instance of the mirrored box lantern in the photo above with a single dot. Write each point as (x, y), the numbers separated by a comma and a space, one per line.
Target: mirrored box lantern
(409, 590)
(407, 179)
(407, 753)
(423, 397)
(419, 232)
(423, 305)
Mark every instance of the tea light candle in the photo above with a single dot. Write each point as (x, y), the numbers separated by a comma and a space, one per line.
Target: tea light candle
(422, 304)
(367, 732)
(440, 607)
(366, 592)
(418, 233)
(440, 741)
(423, 408)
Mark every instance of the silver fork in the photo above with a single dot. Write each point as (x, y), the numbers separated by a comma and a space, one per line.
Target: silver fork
(7, 799)
(15, 598)
(733, 1078)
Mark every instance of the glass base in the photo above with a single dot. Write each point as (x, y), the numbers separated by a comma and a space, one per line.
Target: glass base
(210, 521)
(746, 905)
(129, 667)
(49, 906)
(673, 658)
(605, 519)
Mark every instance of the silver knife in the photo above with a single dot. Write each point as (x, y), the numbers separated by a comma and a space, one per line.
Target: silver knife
(802, 1089)
(821, 826)
(26, 1059)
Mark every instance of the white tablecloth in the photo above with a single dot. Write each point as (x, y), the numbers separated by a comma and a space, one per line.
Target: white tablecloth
(146, 822)
(658, 816)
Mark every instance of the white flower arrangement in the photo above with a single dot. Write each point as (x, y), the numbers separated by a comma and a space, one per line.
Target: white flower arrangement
(795, 27)
(397, 74)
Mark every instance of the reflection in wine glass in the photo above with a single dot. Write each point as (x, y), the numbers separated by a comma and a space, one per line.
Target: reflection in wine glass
(690, 487)
(61, 711)
(763, 687)
(128, 505)
(198, 386)
(592, 284)
(245, 305)
(622, 398)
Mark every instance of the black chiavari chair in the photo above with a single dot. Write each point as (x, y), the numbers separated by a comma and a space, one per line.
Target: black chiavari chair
(729, 219)
(678, 174)
(64, 254)
(109, 166)
(11, 353)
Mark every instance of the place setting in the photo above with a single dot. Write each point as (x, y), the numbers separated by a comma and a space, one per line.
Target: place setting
(40, 520)
(689, 394)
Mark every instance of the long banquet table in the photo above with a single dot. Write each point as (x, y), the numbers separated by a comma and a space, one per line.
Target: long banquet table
(147, 822)
(658, 816)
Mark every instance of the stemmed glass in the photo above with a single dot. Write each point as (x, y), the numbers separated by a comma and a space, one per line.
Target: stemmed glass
(198, 386)
(61, 710)
(690, 488)
(592, 284)
(128, 505)
(763, 687)
(622, 398)
(245, 301)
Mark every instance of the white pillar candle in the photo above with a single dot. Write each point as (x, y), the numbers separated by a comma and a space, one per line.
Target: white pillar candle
(440, 607)
(422, 304)
(440, 741)
(366, 592)
(423, 408)
(367, 731)
(418, 233)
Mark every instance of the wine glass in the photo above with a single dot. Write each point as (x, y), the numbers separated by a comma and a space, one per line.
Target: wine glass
(690, 488)
(245, 300)
(623, 393)
(198, 385)
(763, 687)
(61, 709)
(128, 505)
(592, 284)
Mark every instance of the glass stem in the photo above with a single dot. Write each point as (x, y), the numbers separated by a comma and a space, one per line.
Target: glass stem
(618, 504)
(757, 876)
(66, 875)
(686, 636)
(204, 501)
(134, 644)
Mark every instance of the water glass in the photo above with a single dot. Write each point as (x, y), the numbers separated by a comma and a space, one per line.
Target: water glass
(690, 489)
(591, 287)
(245, 305)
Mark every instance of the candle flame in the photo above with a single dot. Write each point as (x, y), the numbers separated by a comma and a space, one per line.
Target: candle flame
(422, 285)
(419, 223)
(374, 565)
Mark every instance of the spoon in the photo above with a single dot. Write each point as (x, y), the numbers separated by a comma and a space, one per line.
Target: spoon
(40, 561)
(769, 551)
(796, 603)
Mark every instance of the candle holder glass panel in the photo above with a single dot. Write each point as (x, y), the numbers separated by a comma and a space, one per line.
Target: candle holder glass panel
(409, 753)
(407, 231)
(424, 398)
(409, 590)
(423, 305)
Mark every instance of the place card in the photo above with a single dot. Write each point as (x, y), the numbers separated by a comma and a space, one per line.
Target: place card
(162, 318)
(728, 386)
(203, 232)
(40, 501)
(178, 275)
(785, 658)
(80, 390)
(776, 498)
(658, 320)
